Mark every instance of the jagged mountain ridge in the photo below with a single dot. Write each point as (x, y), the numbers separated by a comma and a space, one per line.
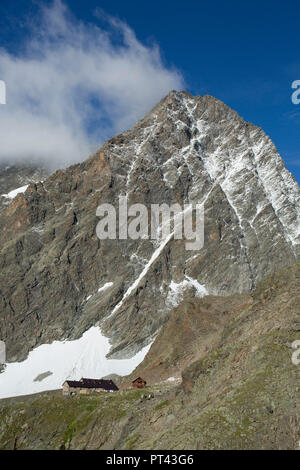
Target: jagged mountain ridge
(15, 176)
(187, 149)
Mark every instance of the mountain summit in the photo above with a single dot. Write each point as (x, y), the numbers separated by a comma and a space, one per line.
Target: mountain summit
(58, 279)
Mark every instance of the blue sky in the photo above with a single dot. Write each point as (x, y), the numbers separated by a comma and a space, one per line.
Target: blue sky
(246, 55)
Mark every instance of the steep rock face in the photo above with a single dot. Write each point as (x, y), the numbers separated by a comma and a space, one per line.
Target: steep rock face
(58, 279)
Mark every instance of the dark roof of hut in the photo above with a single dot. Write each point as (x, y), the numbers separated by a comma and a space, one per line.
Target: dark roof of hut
(93, 383)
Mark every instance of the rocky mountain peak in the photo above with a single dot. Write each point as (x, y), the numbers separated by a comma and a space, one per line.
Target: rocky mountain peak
(58, 279)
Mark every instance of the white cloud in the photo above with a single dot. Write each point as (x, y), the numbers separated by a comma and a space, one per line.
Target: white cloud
(75, 85)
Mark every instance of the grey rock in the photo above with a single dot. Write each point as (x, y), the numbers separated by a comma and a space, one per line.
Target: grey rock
(186, 150)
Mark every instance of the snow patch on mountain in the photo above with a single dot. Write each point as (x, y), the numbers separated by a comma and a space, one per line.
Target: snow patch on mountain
(12, 194)
(62, 360)
(177, 290)
(106, 286)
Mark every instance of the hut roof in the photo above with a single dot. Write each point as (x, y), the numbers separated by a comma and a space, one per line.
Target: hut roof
(92, 383)
(139, 379)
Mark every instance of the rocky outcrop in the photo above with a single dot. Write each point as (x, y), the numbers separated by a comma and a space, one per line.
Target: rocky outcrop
(186, 150)
(193, 330)
(16, 176)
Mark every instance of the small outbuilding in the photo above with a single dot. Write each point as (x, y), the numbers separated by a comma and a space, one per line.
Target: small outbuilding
(139, 383)
(88, 386)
